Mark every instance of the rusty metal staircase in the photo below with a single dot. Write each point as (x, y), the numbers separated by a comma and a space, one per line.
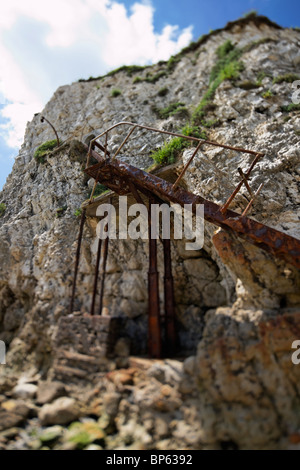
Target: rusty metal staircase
(124, 179)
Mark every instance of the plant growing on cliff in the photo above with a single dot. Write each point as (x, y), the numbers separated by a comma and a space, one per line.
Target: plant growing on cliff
(78, 212)
(115, 92)
(100, 189)
(288, 77)
(290, 107)
(43, 150)
(227, 67)
(2, 209)
(171, 110)
(170, 150)
(60, 211)
(267, 94)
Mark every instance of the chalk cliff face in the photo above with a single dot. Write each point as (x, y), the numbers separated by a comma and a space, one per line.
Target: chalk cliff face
(242, 309)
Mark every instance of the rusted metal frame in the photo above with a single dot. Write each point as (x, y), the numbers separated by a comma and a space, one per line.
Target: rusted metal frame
(271, 240)
(237, 189)
(103, 272)
(174, 134)
(124, 142)
(104, 149)
(136, 195)
(170, 330)
(91, 152)
(187, 165)
(96, 276)
(169, 303)
(252, 200)
(106, 152)
(154, 326)
(53, 128)
(82, 221)
(94, 186)
(245, 181)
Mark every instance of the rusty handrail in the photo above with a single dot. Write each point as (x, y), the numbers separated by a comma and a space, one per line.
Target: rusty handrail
(174, 134)
(53, 128)
(245, 177)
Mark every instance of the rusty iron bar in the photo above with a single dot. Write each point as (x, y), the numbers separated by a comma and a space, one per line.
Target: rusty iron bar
(154, 326)
(245, 181)
(103, 273)
(82, 221)
(124, 142)
(136, 195)
(94, 188)
(96, 276)
(269, 239)
(247, 175)
(106, 152)
(53, 128)
(174, 134)
(170, 330)
(252, 200)
(187, 165)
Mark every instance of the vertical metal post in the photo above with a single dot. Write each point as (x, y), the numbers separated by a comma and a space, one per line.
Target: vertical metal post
(170, 331)
(105, 254)
(103, 274)
(96, 276)
(154, 327)
(82, 221)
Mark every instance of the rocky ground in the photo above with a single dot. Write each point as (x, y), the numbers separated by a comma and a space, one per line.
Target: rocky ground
(38, 414)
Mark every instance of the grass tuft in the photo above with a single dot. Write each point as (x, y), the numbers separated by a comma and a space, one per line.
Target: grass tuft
(2, 208)
(43, 150)
(115, 92)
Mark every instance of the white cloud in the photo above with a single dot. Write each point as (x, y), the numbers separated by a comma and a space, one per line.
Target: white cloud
(69, 39)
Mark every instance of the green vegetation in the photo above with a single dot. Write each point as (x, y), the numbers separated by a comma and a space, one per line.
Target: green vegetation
(267, 94)
(259, 42)
(261, 75)
(137, 79)
(154, 78)
(100, 189)
(210, 123)
(227, 68)
(83, 434)
(2, 209)
(250, 14)
(171, 64)
(163, 91)
(43, 150)
(115, 92)
(129, 69)
(60, 212)
(170, 150)
(171, 110)
(78, 212)
(288, 77)
(290, 107)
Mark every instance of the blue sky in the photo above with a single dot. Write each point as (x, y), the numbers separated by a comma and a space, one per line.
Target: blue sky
(45, 44)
